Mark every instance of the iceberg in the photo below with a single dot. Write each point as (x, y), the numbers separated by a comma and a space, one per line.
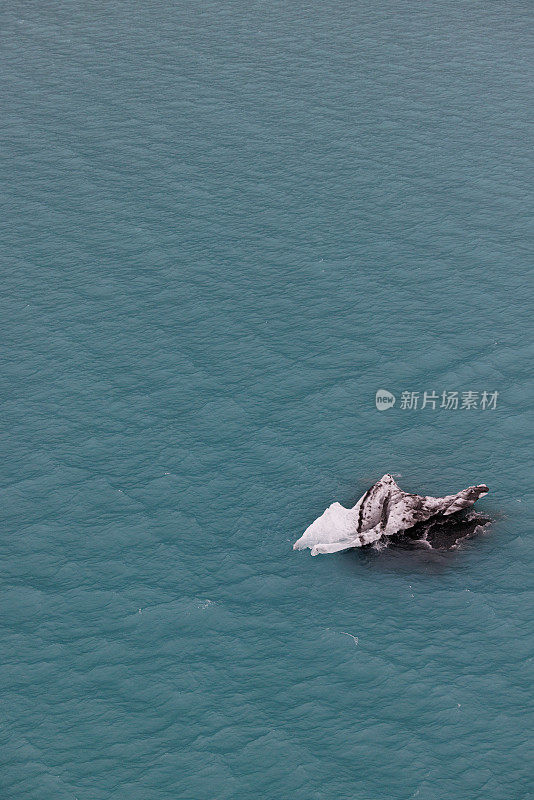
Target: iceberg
(383, 511)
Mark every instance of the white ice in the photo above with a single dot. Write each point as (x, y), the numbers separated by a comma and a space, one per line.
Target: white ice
(382, 511)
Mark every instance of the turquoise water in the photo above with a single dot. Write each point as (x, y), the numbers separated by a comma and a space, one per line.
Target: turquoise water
(228, 225)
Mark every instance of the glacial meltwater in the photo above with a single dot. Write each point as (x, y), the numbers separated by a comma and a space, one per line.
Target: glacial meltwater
(226, 227)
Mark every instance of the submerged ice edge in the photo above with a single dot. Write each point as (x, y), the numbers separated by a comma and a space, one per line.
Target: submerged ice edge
(382, 511)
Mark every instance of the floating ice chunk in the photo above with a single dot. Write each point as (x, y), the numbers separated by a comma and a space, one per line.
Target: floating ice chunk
(382, 511)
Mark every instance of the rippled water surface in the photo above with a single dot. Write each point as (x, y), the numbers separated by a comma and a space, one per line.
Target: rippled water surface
(227, 225)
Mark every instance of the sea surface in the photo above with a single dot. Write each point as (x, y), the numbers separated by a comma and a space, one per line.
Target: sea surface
(225, 227)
